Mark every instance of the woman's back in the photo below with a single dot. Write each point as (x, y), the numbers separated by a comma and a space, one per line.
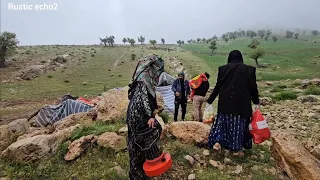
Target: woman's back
(236, 89)
(236, 86)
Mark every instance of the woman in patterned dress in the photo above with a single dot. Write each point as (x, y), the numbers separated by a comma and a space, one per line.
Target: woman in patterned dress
(236, 86)
(143, 129)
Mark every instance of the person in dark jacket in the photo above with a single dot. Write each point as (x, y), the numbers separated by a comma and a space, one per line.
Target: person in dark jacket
(236, 86)
(181, 89)
(141, 119)
(199, 97)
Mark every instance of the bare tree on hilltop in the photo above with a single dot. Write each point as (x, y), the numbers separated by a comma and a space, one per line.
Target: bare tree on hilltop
(153, 42)
(131, 41)
(289, 34)
(8, 44)
(225, 37)
(124, 40)
(162, 41)
(213, 45)
(109, 40)
(141, 39)
(315, 32)
(262, 33)
(275, 39)
(256, 54)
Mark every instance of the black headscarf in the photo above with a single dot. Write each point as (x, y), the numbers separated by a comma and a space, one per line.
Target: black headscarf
(235, 56)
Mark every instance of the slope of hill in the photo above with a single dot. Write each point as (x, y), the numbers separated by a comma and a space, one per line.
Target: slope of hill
(285, 59)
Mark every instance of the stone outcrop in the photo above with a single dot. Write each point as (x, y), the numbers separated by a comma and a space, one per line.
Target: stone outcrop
(190, 131)
(264, 101)
(77, 147)
(112, 140)
(10, 132)
(37, 147)
(293, 158)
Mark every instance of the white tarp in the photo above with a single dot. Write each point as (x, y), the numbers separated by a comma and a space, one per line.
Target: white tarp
(164, 88)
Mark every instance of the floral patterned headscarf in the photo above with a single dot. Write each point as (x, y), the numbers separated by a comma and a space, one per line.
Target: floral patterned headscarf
(148, 71)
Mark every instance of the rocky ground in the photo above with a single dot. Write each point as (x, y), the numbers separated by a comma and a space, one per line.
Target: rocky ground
(79, 140)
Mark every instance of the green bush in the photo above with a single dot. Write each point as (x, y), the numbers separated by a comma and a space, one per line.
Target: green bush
(164, 116)
(278, 88)
(285, 96)
(312, 91)
(96, 128)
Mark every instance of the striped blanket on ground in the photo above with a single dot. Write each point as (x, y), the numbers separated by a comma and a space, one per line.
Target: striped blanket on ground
(51, 114)
(168, 97)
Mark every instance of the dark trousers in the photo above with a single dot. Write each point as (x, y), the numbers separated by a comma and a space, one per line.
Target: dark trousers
(177, 103)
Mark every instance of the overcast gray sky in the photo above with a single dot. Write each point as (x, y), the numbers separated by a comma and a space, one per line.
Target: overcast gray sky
(83, 21)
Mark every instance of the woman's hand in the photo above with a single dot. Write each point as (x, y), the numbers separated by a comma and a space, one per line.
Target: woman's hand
(257, 107)
(151, 122)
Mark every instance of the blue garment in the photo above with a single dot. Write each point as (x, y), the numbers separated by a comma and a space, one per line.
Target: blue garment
(231, 132)
(176, 87)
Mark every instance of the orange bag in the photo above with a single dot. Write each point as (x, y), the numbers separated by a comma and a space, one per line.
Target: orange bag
(196, 82)
(258, 128)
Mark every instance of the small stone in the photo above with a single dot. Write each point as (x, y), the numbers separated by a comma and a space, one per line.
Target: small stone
(254, 157)
(269, 83)
(197, 165)
(273, 171)
(119, 170)
(221, 167)
(191, 177)
(214, 163)
(197, 157)
(227, 161)
(206, 152)
(84, 83)
(202, 162)
(189, 159)
(255, 168)
(226, 153)
(123, 130)
(238, 170)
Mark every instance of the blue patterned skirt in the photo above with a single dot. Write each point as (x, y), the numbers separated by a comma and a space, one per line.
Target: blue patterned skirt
(231, 132)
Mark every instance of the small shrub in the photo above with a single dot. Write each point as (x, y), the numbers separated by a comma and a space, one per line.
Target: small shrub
(281, 86)
(285, 96)
(66, 81)
(92, 55)
(119, 75)
(312, 91)
(164, 116)
(49, 76)
(43, 61)
(275, 89)
(296, 84)
(96, 128)
(133, 56)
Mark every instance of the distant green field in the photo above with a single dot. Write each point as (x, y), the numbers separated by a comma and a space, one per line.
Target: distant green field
(241, 44)
(285, 59)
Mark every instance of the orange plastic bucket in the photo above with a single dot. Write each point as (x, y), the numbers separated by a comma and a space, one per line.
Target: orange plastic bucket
(158, 166)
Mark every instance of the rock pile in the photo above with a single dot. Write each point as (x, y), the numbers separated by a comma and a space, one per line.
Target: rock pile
(34, 71)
